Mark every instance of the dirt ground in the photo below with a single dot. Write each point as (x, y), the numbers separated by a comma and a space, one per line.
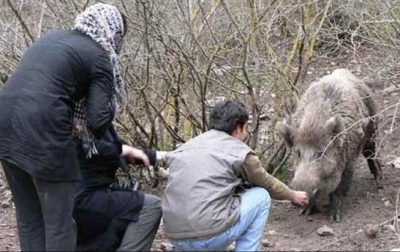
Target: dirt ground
(8, 231)
(287, 230)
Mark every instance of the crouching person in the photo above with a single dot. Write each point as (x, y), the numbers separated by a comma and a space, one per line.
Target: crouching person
(202, 206)
(110, 217)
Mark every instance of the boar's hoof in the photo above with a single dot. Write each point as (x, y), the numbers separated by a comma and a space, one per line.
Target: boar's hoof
(335, 216)
(379, 184)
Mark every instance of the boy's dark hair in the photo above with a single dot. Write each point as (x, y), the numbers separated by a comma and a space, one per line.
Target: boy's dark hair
(227, 115)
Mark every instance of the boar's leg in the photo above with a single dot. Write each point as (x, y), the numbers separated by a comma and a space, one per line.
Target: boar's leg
(336, 206)
(341, 190)
(369, 153)
(347, 177)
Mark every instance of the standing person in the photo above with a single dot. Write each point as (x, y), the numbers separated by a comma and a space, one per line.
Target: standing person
(109, 216)
(66, 85)
(202, 207)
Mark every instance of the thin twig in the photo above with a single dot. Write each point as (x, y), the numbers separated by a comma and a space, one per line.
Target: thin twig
(22, 22)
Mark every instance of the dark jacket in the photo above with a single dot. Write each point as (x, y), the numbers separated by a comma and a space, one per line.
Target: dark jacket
(98, 172)
(36, 103)
(97, 205)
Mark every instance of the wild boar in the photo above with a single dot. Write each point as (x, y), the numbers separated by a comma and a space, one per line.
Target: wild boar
(335, 120)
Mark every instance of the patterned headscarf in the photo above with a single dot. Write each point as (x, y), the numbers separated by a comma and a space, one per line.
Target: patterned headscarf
(104, 24)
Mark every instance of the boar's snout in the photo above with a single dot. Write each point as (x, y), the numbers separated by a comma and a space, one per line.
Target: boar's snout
(308, 185)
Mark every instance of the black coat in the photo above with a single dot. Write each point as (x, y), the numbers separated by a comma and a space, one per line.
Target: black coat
(36, 103)
(96, 204)
(98, 172)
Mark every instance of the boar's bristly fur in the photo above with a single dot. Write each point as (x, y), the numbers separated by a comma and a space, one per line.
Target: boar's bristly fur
(335, 120)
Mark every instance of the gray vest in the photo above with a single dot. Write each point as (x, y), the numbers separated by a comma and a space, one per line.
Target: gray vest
(199, 199)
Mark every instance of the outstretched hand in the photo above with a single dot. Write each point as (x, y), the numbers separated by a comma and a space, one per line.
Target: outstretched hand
(134, 155)
(299, 198)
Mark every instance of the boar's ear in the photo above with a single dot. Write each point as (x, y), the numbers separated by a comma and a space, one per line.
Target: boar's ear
(287, 132)
(334, 125)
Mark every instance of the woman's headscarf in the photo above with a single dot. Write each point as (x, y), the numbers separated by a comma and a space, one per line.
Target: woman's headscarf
(105, 25)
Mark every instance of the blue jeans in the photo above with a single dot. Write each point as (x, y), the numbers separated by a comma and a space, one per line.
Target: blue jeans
(247, 231)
